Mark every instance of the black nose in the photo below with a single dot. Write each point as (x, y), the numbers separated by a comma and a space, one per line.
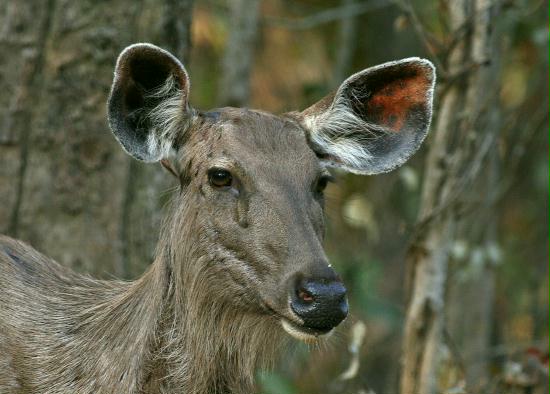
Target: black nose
(321, 304)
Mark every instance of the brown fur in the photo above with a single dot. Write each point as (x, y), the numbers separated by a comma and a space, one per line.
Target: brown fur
(195, 322)
(208, 311)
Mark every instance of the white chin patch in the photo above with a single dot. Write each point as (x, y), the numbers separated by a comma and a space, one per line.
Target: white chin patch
(299, 334)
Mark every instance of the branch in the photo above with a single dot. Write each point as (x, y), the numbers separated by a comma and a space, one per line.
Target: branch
(459, 186)
(428, 40)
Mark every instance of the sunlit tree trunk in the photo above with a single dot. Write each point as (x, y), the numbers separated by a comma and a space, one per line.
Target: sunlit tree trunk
(454, 160)
(471, 294)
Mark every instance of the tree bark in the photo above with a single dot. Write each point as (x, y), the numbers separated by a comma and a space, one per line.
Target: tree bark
(176, 27)
(239, 53)
(66, 186)
(453, 161)
(428, 257)
(471, 296)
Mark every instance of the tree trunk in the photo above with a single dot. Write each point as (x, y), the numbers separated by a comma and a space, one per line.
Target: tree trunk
(427, 258)
(176, 23)
(453, 162)
(347, 41)
(239, 53)
(471, 295)
(64, 180)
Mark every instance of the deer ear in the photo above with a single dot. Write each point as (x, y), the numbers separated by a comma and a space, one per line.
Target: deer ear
(376, 119)
(148, 105)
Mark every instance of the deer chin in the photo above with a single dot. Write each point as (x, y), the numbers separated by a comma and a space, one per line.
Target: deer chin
(302, 333)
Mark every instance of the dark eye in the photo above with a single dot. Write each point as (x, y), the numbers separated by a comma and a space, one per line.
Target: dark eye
(322, 183)
(219, 177)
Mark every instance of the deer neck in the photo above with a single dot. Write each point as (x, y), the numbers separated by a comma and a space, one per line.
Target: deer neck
(208, 345)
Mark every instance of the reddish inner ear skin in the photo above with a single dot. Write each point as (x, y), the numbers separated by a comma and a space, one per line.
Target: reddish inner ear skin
(390, 106)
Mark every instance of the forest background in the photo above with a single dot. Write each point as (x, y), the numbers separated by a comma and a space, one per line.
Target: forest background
(445, 259)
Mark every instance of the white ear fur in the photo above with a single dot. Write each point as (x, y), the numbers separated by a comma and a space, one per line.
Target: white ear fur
(167, 119)
(148, 131)
(330, 131)
(352, 141)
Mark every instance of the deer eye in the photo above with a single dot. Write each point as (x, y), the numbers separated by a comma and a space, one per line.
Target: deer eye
(218, 177)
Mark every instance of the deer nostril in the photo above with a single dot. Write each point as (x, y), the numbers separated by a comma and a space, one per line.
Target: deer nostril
(320, 303)
(305, 295)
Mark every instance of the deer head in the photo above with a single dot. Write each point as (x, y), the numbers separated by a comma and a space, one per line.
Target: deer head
(251, 199)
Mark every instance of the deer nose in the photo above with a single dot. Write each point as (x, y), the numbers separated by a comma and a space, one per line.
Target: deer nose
(321, 304)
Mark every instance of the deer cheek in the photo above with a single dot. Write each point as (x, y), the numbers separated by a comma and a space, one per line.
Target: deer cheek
(241, 211)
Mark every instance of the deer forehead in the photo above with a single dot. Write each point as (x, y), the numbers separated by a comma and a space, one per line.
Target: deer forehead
(257, 142)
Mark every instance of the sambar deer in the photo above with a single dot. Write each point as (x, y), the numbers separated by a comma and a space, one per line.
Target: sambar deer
(239, 261)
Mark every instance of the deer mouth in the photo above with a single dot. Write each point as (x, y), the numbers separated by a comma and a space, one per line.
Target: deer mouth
(298, 331)
(303, 333)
